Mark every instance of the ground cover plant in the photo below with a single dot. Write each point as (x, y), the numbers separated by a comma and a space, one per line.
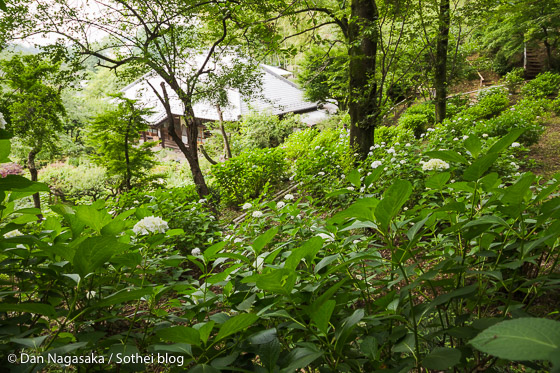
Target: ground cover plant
(172, 201)
(431, 255)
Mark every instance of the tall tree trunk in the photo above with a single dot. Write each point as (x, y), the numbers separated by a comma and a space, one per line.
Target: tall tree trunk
(190, 152)
(227, 149)
(34, 177)
(440, 76)
(128, 176)
(363, 105)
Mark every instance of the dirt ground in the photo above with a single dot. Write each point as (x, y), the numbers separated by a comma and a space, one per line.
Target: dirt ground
(546, 152)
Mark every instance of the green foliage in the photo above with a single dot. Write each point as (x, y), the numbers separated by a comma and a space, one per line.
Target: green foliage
(323, 74)
(182, 209)
(526, 115)
(261, 130)
(544, 85)
(490, 103)
(416, 123)
(115, 135)
(393, 134)
(514, 79)
(247, 175)
(33, 109)
(82, 183)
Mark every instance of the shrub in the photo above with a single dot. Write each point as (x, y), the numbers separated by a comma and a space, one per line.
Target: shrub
(417, 123)
(71, 183)
(490, 103)
(393, 134)
(514, 79)
(544, 85)
(312, 152)
(523, 115)
(182, 209)
(260, 130)
(246, 175)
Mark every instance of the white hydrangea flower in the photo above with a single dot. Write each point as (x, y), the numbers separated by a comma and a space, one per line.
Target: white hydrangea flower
(289, 197)
(202, 200)
(13, 233)
(370, 154)
(280, 204)
(355, 242)
(90, 294)
(402, 161)
(150, 224)
(321, 173)
(397, 143)
(257, 214)
(465, 137)
(391, 151)
(247, 206)
(515, 145)
(485, 135)
(455, 139)
(514, 165)
(371, 148)
(350, 188)
(237, 240)
(435, 164)
(196, 252)
(382, 142)
(407, 144)
(430, 130)
(317, 147)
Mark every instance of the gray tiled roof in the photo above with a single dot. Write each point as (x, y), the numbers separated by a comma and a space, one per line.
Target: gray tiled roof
(278, 96)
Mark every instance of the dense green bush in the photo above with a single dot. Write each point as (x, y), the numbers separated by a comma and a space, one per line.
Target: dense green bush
(245, 176)
(490, 103)
(514, 79)
(392, 134)
(544, 85)
(416, 123)
(83, 183)
(261, 130)
(181, 208)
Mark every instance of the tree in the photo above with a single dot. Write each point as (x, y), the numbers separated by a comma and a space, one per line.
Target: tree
(115, 135)
(33, 108)
(178, 41)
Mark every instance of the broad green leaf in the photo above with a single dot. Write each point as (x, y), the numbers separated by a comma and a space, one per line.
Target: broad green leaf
(549, 189)
(21, 184)
(473, 145)
(506, 141)
(411, 234)
(38, 308)
(63, 350)
(180, 334)
(524, 339)
(321, 314)
(5, 148)
(279, 281)
(438, 181)
(361, 210)
(375, 175)
(487, 219)
(93, 252)
(92, 217)
(354, 178)
(480, 166)
(211, 252)
(308, 251)
(262, 240)
(442, 358)
(124, 296)
(343, 332)
(34, 343)
(393, 199)
(516, 193)
(447, 155)
(204, 329)
(235, 325)
(300, 357)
